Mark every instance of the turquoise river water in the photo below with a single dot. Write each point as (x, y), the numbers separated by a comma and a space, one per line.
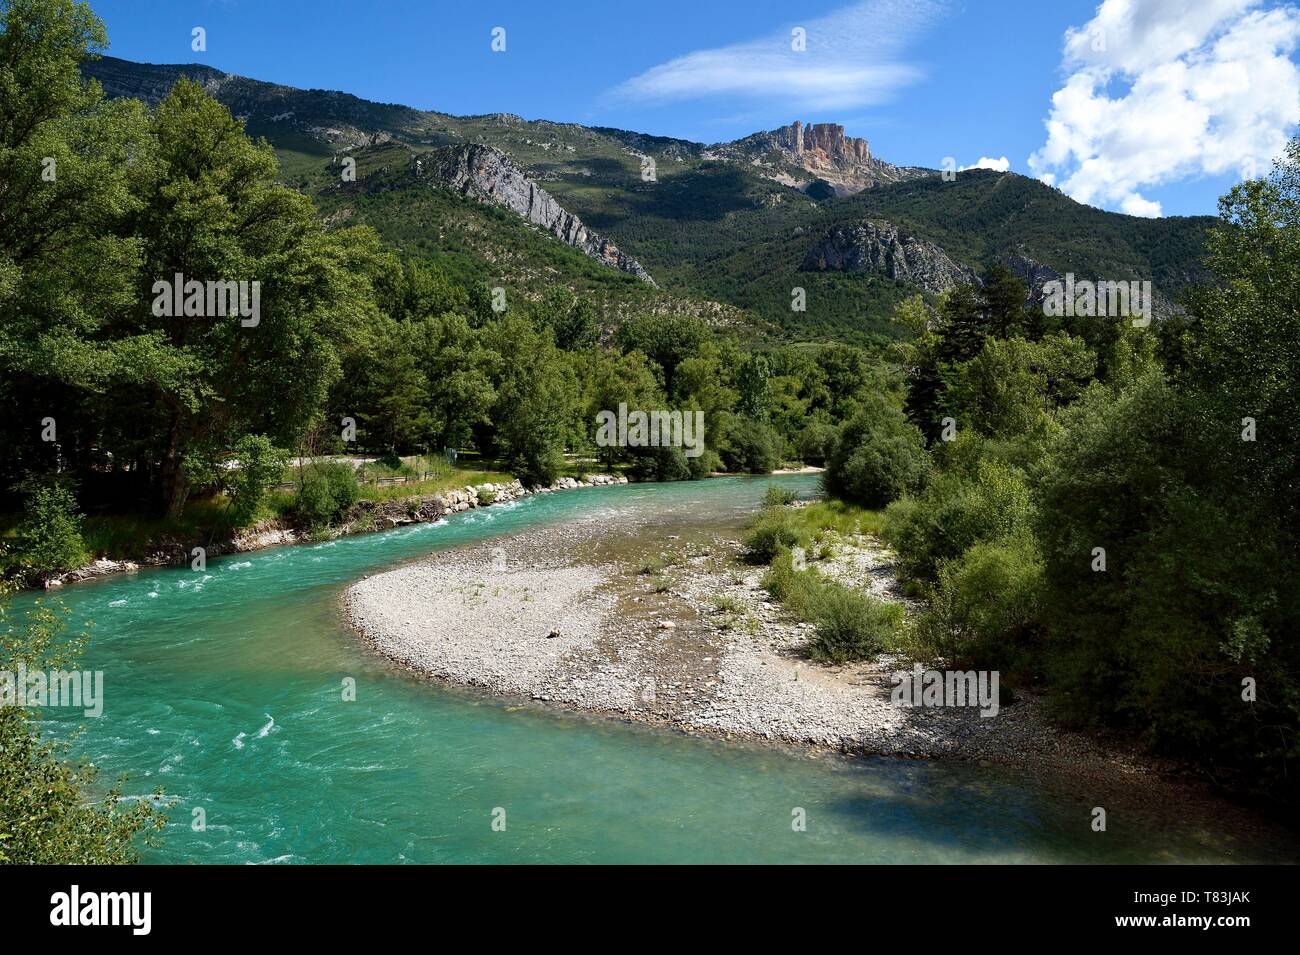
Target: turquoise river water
(225, 688)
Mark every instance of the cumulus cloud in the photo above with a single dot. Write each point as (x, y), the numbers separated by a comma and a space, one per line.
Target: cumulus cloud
(984, 162)
(1160, 90)
(852, 57)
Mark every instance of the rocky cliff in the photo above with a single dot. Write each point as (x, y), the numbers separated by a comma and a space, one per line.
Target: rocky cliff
(844, 163)
(880, 247)
(488, 175)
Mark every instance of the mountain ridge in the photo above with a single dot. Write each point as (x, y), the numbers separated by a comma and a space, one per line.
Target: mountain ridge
(724, 229)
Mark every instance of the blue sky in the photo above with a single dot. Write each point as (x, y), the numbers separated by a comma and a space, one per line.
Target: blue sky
(1160, 105)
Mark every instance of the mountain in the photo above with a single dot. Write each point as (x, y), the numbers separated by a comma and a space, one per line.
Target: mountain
(642, 223)
(489, 176)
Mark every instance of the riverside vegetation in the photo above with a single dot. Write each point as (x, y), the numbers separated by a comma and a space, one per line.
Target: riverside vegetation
(1113, 519)
(1104, 512)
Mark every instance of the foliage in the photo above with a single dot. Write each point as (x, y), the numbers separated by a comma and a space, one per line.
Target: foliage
(955, 512)
(986, 606)
(751, 446)
(260, 466)
(878, 457)
(326, 494)
(769, 532)
(52, 811)
(774, 495)
(852, 624)
(48, 538)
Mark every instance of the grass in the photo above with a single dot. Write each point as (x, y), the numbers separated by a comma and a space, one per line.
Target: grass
(777, 527)
(654, 565)
(728, 604)
(453, 479)
(851, 624)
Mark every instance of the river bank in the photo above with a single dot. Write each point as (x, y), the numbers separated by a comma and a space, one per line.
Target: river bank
(366, 516)
(218, 681)
(654, 618)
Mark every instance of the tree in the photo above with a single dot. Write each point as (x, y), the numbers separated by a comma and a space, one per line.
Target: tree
(753, 381)
(260, 464)
(48, 537)
(878, 457)
(67, 164)
(573, 320)
(537, 411)
(751, 446)
(458, 374)
(50, 813)
(667, 340)
(1002, 301)
(620, 380)
(216, 213)
(1011, 382)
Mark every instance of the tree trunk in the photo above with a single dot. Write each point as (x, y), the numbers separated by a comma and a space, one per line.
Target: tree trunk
(175, 484)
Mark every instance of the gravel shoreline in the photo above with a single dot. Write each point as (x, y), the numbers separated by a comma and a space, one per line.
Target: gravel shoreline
(563, 615)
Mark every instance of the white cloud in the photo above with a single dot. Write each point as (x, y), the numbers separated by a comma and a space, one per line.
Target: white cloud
(984, 162)
(852, 58)
(1160, 90)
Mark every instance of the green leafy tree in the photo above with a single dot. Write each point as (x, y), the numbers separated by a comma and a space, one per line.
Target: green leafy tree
(537, 413)
(50, 810)
(260, 465)
(573, 320)
(667, 340)
(48, 537)
(878, 457)
(217, 214)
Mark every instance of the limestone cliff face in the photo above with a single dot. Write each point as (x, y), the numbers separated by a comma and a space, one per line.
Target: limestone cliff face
(823, 142)
(485, 174)
(880, 247)
(843, 162)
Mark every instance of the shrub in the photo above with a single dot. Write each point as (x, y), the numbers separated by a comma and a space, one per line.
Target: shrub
(328, 491)
(48, 537)
(728, 604)
(878, 457)
(797, 590)
(986, 606)
(954, 512)
(852, 624)
(663, 463)
(485, 496)
(537, 466)
(704, 464)
(777, 496)
(770, 531)
(260, 465)
(54, 810)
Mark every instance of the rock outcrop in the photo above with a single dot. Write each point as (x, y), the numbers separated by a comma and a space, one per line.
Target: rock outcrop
(488, 175)
(842, 163)
(880, 247)
(1034, 274)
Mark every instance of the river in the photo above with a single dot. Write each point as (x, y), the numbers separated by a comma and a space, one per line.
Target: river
(226, 688)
